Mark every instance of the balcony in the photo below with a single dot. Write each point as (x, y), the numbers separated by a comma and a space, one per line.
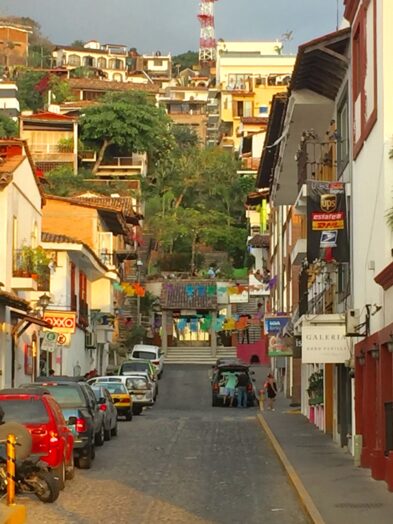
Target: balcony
(125, 166)
(83, 318)
(28, 274)
(299, 252)
(52, 153)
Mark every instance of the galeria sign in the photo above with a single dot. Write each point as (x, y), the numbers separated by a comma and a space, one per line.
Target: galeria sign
(323, 344)
(61, 322)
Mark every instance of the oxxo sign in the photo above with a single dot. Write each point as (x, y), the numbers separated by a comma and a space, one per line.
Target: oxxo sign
(61, 321)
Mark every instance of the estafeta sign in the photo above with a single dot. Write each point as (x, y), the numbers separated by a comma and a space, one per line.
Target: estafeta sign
(61, 322)
(324, 344)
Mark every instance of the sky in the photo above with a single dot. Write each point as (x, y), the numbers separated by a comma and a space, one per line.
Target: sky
(171, 25)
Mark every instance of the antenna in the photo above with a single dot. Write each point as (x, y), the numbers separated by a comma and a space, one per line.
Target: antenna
(207, 44)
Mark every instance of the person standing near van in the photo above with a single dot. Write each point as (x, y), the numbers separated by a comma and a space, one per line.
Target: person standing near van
(241, 386)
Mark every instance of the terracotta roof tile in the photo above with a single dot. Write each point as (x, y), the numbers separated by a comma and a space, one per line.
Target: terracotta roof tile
(189, 295)
(105, 85)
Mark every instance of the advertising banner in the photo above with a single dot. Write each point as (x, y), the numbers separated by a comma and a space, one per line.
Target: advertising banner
(327, 236)
(280, 346)
(325, 344)
(49, 341)
(274, 324)
(258, 288)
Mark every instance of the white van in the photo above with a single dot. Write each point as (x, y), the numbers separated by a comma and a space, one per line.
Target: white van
(152, 353)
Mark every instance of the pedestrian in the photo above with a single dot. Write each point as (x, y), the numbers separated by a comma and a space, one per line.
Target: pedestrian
(271, 390)
(241, 387)
(51, 372)
(230, 388)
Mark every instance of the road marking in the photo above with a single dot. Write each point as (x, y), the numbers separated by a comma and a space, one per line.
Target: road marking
(303, 494)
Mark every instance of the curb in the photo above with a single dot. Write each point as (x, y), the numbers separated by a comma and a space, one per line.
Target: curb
(303, 494)
(15, 514)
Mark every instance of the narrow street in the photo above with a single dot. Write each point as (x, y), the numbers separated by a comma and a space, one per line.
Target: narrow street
(180, 462)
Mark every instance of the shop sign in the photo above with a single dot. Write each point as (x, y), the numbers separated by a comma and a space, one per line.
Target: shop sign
(326, 221)
(61, 322)
(275, 324)
(49, 341)
(280, 346)
(63, 340)
(324, 344)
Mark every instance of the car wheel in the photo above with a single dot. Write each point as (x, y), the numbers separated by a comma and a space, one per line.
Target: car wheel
(86, 461)
(100, 436)
(214, 401)
(114, 431)
(160, 374)
(60, 475)
(70, 469)
(129, 415)
(107, 434)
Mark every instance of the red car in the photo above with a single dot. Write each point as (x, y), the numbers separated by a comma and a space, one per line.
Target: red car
(36, 409)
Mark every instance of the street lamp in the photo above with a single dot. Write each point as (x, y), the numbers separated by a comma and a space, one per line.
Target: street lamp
(139, 265)
(375, 352)
(43, 302)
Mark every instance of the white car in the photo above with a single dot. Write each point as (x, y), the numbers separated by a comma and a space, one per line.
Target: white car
(152, 353)
(153, 386)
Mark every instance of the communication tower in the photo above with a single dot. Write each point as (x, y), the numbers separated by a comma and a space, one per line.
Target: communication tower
(207, 45)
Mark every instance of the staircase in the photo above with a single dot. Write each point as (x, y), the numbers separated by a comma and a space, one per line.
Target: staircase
(197, 355)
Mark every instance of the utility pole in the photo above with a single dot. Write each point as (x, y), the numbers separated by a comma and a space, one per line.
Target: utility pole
(139, 265)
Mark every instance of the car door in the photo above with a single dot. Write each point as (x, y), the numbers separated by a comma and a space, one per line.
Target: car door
(62, 428)
(93, 408)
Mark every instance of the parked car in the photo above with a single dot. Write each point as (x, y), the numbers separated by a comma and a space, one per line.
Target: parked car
(152, 353)
(130, 366)
(80, 408)
(153, 387)
(217, 383)
(52, 439)
(108, 408)
(141, 391)
(121, 398)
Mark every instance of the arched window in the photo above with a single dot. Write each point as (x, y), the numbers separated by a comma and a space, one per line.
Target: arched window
(115, 63)
(88, 61)
(74, 60)
(117, 77)
(101, 63)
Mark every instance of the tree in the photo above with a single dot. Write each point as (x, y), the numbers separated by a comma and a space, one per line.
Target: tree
(77, 43)
(186, 60)
(8, 127)
(129, 121)
(29, 97)
(61, 90)
(185, 136)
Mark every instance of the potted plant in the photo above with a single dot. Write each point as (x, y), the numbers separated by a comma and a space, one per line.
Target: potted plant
(315, 388)
(26, 261)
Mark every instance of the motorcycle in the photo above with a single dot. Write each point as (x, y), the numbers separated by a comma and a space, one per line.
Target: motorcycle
(31, 474)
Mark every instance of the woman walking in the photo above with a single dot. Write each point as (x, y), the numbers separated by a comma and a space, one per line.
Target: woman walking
(271, 390)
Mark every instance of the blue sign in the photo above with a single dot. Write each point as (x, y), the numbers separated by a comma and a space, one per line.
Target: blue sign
(275, 324)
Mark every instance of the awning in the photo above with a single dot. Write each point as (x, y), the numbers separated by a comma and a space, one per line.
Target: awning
(25, 322)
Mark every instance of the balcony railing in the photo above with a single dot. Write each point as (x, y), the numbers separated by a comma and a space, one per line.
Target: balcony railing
(52, 153)
(316, 159)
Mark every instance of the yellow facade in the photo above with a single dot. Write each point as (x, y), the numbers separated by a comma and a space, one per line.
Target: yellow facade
(248, 75)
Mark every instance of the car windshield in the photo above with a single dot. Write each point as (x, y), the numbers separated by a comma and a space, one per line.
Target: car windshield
(67, 396)
(112, 387)
(24, 411)
(136, 383)
(98, 392)
(133, 366)
(149, 355)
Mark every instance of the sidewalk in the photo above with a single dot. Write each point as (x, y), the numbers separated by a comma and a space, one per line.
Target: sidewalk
(340, 492)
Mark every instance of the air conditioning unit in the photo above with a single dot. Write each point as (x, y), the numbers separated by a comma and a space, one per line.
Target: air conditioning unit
(90, 340)
(352, 322)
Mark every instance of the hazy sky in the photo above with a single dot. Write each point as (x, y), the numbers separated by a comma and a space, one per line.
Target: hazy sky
(171, 25)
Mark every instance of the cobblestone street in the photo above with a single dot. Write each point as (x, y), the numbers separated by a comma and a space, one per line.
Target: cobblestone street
(180, 462)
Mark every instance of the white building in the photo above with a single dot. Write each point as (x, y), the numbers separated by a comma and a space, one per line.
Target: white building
(9, 103)
(80, 289)
(20, 229)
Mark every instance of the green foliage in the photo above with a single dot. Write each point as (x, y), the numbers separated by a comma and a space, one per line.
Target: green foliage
(186, 60)
(8, 127)
(82, 72)
(128, 120)
(135, 335)
(185, 136)
(62, 182)
(61, 90)
(78, 44)
(29, 97)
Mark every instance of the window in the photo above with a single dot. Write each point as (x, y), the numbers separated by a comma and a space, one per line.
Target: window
(158, 62)
(115, 63)
(364, 74)
(263, 110)
(344, 282)
(74, 60)
(66, 396)
(342, 134)
(101, 63)
(88, 61)
(27, 411)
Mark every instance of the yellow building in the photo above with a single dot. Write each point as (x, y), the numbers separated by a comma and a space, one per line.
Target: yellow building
(248, 75)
